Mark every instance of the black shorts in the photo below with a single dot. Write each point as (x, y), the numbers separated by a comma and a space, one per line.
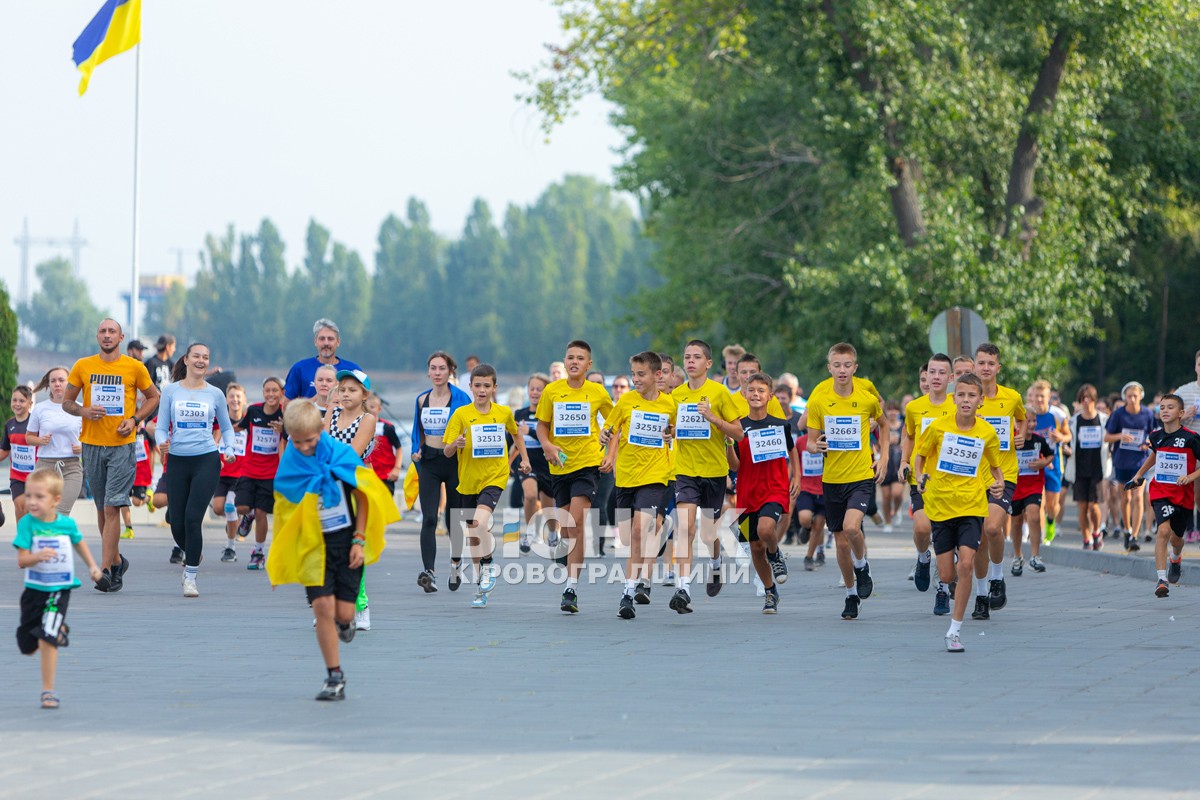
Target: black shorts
(1004, 500)
(916, 499)
(16, 488)
(139, 493)
(1017, 508)
(543, 480)
(391, 485)
(340, 581)
(958, 532)
(839, 497)
(255, 493)
(43, 618)
(807, 501)
(1086, 490)
(668, 504)
(580, 483)
(489, 497)
(1178, 516)
(650, 498)
(225, 485)
(161, 486)
(772, 511)
(707, 493)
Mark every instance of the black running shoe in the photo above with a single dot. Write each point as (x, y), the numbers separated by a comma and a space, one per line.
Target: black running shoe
(941, 603)
(771, 601)
(105, 582)
(713, 588)
(334, 688)
(570, 603)
(809, 564)
(243, 528)
(681, 602)
(427, 581)
(851, 609)
(115, 582)
(346, 631)
(982, 611)
(997, 594)
(805, 533)
(176, 555)
(641, 594)
(820, 558)
(1162, 590)
(121, 570)
(625, 610)
(921, 576)
(1133, 545)
(862, 578)
(456, 575)
(778, 564)
(1174, 571)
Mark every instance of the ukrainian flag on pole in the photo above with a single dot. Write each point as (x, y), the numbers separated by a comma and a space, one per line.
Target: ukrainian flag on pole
(117, 27)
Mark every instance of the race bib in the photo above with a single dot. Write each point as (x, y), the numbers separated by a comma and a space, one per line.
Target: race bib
(812, 464)
(960, 455)
(689, 424)
(1139, 438)
(433, 421)
(336, 517)
(531, 440)
(109, 396)
(1024, 459)
(766, 444)
(1169, 467)
(265, 441)
(141, 454)
(379, 428)
(572, 419)
(844, 433)
(1003, 426)
(24, 456)
(487, 441)
(58, 572)
(646, 429)
(191, 414)
(1090, 437)
(239, 443)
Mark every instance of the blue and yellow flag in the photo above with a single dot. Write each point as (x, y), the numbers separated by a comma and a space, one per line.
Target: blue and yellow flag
(297, 554)
(116, 28)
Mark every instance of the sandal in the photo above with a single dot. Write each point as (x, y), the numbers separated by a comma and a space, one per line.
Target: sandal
(49, 700)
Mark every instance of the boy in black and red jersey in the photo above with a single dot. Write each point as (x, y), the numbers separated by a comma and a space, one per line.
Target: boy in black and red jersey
(763, 459)
(1176, 453)
(255, 489)
(1032, 457)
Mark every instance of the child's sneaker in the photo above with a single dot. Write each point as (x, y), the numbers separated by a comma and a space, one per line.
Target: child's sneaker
(334, 688)
(127, 533)
(257, 560)
(362, 619)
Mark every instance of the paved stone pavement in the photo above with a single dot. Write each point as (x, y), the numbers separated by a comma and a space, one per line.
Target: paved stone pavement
(1080, 688)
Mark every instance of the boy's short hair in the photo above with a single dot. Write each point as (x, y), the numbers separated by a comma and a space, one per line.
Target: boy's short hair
(1086, 392)
(235, 387)
(1174, 397)
(484, 371)
(23, 390)
(666, 358)
(581, 344)
(749, 358)
(302, 417)
(960, 359)
(842, 349)
(704, 346)
(942, 357)
(763, 378)
(48, 477)
(970, 379)
(1040, 386)
(732, 351)
(780, 386)
(539, 376)
(990, 349)
(647, 358)
(923, 368)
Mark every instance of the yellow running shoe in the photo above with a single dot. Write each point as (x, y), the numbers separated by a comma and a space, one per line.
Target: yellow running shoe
(127, 533)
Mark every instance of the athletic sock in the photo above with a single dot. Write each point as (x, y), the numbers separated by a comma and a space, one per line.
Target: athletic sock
(852, 591)
(572, 583)
(923, 557)
(1177, 559)
(685, 584)
(332, 670)
(943, 587)
(1162, 574)
(630, 586)
(981, 587)
(996, 572)
(258, 547)
(191, 572)
(715, 563)
(859, 563)
(955, 627)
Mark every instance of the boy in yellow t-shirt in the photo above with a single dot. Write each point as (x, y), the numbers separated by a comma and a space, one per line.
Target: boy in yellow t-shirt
(638, 438)
(568, 431)
(477, 434)
(961, 451)
(839, 425)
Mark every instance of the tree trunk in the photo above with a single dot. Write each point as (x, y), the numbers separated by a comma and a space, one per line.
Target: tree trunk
(1025, 156)
(906, 205)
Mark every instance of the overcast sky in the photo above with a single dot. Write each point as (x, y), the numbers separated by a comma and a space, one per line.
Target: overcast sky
(289, 110)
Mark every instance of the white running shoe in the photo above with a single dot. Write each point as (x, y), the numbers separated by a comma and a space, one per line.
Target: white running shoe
(362, 619)
(954, 644)
(487, 577)
(189, 587)
(888, 528)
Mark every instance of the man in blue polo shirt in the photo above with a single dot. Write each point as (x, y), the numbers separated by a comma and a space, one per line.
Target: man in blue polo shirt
(327, 338)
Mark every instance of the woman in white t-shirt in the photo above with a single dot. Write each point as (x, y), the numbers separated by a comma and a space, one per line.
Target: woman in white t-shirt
(56, 435)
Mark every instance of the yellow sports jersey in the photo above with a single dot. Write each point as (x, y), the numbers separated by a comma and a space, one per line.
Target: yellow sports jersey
(484, 460)
(643, 456)
(846, 422)
(773, 407)
(919, 415)
(958, 464)
(1000, 412)
(859, 383)
(571, 416)
(112, 385)
(700, 445)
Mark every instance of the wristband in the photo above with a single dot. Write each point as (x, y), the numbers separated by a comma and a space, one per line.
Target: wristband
(358, 539)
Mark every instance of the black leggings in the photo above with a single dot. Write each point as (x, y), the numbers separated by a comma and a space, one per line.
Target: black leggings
(191, 482)
(434, 470)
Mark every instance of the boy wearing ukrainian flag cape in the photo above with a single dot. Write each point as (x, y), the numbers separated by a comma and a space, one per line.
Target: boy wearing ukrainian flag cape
(330, 513)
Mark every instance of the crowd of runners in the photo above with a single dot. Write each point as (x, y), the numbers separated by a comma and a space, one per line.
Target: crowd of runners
(685, 467)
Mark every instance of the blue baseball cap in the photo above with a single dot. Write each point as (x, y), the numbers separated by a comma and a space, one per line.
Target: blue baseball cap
(358, 375)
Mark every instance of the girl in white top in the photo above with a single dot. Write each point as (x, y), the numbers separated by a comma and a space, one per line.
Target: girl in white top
(56, 435)
(325, 382)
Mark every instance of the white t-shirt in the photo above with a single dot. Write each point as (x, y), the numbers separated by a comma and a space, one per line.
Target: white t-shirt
(1190, 392)
(49, 418)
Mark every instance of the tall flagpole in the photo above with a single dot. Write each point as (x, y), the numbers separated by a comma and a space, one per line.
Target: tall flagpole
(134, 316)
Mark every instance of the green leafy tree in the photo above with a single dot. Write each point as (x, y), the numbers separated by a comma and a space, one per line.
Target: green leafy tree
(61, 315)
(8, 348)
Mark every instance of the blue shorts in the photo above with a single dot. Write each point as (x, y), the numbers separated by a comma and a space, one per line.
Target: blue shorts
(1053, 480)
(1123, 476)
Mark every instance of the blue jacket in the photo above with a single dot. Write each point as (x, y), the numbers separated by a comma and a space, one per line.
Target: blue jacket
(458, 399)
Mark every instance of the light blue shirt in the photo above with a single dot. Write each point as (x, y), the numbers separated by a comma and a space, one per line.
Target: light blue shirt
(186, 416)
